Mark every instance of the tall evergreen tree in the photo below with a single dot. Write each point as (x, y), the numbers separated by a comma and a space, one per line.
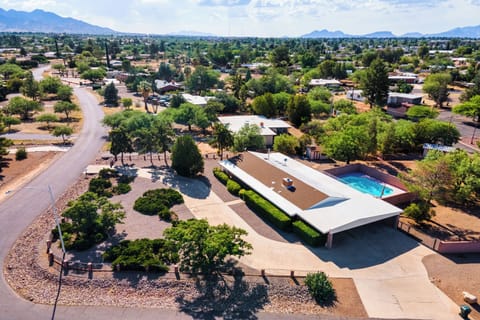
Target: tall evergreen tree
(111, 95)
(375, 84)
(186, 158)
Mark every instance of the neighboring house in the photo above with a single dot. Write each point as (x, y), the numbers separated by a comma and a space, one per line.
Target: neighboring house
(196, 100)
(327, 83)
(398, 99)
(269, 128)
(167, 86)
(410, 79)
(317, 198)
(356, 95)
(431, 146)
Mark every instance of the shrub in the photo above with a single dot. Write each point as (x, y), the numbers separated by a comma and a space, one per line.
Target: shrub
(21, 154)
(100, 186)
(266, 210)
(419, 211)
(320, 287)
(141, 255)
(233, 187)
(122, 188)
(222, 176)
(107, 173)
(308, 234)
(158, 201)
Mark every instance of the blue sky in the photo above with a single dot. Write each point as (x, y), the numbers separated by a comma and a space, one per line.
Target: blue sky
(264, 18)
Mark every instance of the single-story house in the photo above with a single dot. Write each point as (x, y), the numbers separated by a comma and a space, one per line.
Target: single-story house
(356, 95)
(397, 99)
(197, 100)
(327, 83)
(269, 128)
(317, 198)
(411, 79)
(167, 86)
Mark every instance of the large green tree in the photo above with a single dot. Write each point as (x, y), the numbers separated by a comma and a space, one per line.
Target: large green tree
(23, 107)
(203, 248)
(286, 144)
(90, 219)
(65, 107)
(111, 95)
(30, 87)
(375, 83)
(470, 108)
(248, 137)
(264, 105)
(202, 79)
(222, 138)
(299, 110)
(436, 86)
(120, 142)
(186, 157)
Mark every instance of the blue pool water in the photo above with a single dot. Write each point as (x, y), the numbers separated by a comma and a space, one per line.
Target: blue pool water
(366, 184)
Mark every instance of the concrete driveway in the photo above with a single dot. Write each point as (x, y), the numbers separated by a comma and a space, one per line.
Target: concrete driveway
(385, 264)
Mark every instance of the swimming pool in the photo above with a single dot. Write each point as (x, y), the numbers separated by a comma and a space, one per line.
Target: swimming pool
(366, 184)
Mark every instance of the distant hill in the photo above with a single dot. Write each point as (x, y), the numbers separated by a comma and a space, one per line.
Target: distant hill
(463, 32)
(42, 21)
(379, 34)
(326, 34)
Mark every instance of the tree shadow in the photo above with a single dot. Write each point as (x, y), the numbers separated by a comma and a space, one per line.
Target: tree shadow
(196, 188)
(219, 297)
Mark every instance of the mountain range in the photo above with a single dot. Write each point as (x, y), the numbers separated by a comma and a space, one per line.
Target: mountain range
(463, 32)
(48, 22)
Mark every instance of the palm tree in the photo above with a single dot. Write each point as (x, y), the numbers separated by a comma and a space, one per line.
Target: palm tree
(222, 137)
(145, 88)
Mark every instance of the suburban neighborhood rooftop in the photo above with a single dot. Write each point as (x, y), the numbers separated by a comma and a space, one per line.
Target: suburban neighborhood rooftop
(319, 199)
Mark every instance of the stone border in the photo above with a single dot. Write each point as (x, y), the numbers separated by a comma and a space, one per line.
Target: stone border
(27, 272)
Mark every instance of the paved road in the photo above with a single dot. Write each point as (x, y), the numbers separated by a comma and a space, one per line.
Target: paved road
(464, 125)
(18, 211)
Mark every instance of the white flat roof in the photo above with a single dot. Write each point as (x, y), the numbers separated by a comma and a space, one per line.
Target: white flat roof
(324, 82)
(197, 100)
(235, 123)
(344, 209)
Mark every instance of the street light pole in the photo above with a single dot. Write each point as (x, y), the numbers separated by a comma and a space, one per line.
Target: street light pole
(55, 216)
(57, 223)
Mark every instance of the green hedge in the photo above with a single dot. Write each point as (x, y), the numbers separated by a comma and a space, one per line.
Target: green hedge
(222, 176)
(233, 187)
(266, 210)
(308, 234)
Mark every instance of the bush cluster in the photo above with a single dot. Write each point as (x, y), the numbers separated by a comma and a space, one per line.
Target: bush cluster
(141, 255)
(320, 287)
(103, 184)
(122, 188)
(100, 186)
(308, 234)
(266, 210)
(222, 176)
(21, 154)
(158, 202)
